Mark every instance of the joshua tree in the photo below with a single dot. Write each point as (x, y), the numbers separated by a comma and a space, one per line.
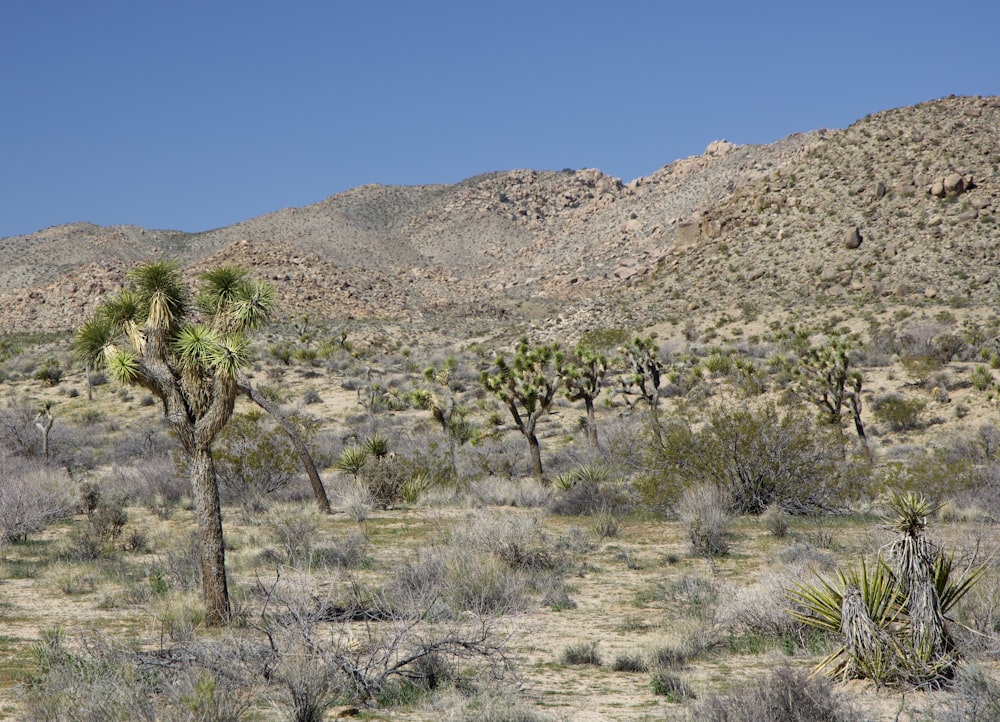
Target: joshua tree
(526, 386)
(450, 415)
(824, 378)
(641, 379)
(583, 377)
(190, 357)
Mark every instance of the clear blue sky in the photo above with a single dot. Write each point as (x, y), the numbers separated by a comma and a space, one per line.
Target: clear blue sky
(196, 114)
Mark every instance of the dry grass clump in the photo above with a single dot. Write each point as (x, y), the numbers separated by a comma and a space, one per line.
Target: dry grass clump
(704, 511)
(788, 695)
(581, 653)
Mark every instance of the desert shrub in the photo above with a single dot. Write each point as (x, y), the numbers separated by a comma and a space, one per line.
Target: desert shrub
(181, 563)
(758, 456)
(981, 378)
(504, 491)
(584, 496)
(294, 528)
(514, 539)
(607, 523)
(776, 520)
(98, 684)
(976, 696)
(31, 498)
(357, 502)
(670, 656)
(101, 534)
(786, 696)
(532, 494)
(101, 681)
(495, 456)
(581, 653)
(453, 580)
(898, 412)
(493, 706)
(694, 590)
(253, 460)
(667, 683)
(555, 596)
(629, 663)
(155, 484)
(624, 445)
(18, 435)
(704, 511)
(384, 478)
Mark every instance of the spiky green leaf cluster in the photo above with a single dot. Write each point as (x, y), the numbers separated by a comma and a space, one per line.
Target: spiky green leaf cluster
(156, 310)
(583, 374)
(903, 653)
(528, 381)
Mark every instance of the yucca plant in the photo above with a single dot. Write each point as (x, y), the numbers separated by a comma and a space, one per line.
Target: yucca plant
(912, 558)
(865, 606)
(351, 459)
(377, 445)
(892, 615)
(416, 486)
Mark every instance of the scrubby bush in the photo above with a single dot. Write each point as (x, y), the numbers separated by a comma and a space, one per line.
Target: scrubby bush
(31, 498)
(776, 520)
(976, 697)
(898, 412)
(253, 460)
(981, 378)
(384, 478)
(759, 457)
(581, 653)
(667, 683)
(590, 489)
(629, 663)
(704, 511)
(786, 696)
(101, 534)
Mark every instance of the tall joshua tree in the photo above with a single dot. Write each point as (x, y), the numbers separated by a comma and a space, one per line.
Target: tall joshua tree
(190, 357)
(527, 386)
(641, 381)
(823, 376)
(583, 377)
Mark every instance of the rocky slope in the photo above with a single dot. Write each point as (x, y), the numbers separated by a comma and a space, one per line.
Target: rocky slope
(899, 206)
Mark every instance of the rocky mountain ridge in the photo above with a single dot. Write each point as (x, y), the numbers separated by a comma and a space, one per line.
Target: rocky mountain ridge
(901, 206)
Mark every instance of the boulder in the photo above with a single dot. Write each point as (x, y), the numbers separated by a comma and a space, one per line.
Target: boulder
(852, 239)
(719, 147)
(953, 183)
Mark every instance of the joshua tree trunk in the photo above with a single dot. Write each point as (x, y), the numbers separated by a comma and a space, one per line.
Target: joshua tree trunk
(536, 454)
(913, 560)
(855, 401)
(213, 552)
(591, 422)
(869, 653)
(319, 491)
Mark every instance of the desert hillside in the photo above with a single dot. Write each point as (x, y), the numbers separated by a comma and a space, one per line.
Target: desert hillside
(899, 207)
